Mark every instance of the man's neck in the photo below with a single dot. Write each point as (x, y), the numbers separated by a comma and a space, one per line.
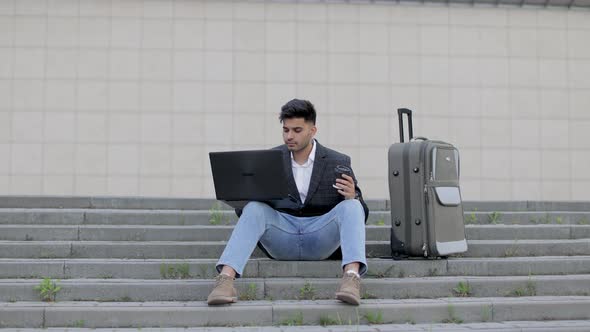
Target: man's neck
(301, 157)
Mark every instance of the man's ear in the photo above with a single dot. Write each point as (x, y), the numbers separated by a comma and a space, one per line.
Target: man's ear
(314, 130)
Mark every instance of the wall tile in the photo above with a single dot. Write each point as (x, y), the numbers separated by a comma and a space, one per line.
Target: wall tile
(555, 190)
(123, 185)
(494, 164)
(59, 127)
(496, 190)
(91, 128)
(218, 129)
(127, 8)
(280, 67)
(464, 132)
(27, 159)
(434, 40)
(249, 98)
(157, 33)
(496, 133)
(579, 74)
(158, 8)
(526, 164)
(374, 99)
(280, 36)
(154, 160)
(555, 165)
(95, 8)
(188, 97)
(219, 66)
(434, 70)
(254, 10)
(29, 63)
(579, 134)
(524, 72)
(579, 104)
(124, 64)
(580, 190)
(344, 130)
(154, 186)
(61, 63)
(436, 101)
(30, 7)
(373, 38)
(123, 96)
(372, 161)
(156, 65)
(464, 40)
(577, 46)
(5, 131)
(312, 12)
(312, 37)
(553, 73)
(494, 72)
(374, 69)
(156, 128)
(63, 7)
(93, 64)
(344, 100)
(249, 36)
(312, 68)
(493, 41)
(554, 103)
(219, 35)
(465, 102)
(188, 160)
(63, 31)
(125, 32)
(92, 96)
(58, 185)
(30, 31)
(124, 128)
(188, 129)
(156, 96)
(123, 159)
(25, 184)
(343, 37)
(90, 185)
(522, 42)
(470, 163)
(526, 190)
(552, 43)
(374, 131)
(526, 133)
(27, 127)
(91, 159)
(249, 66)
(404, 39)
(219, 97)
(580, 159)
(524, 103)
(58, 159)
(248, 129)
(555, 134)
(94, 32)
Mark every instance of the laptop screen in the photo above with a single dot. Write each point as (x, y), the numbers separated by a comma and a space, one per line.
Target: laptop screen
(255, 175)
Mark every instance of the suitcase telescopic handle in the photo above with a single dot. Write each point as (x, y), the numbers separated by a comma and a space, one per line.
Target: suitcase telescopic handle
(400, 113)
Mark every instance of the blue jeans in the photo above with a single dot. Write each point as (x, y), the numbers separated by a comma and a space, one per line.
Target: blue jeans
(292, 238)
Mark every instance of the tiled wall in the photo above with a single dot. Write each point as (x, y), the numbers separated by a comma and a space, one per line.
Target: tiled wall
(126, 97)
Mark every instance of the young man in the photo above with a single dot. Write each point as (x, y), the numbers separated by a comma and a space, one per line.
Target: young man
(330, 213)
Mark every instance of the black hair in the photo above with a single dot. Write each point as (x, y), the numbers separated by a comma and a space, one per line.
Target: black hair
(298, 108)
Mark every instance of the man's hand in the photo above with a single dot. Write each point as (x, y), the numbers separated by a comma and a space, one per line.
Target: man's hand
(345, 186)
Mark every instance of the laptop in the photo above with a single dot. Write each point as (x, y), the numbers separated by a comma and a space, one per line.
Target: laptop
(254, 175)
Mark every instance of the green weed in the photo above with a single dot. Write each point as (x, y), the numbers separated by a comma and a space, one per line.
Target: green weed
(494, 217)
(48, 289)
(296, 320)
(327, 320)
(175, 271)
(250, 293)
(453, 319)
(463, 289)
(307, 292)
(216, 215)
(374, 318)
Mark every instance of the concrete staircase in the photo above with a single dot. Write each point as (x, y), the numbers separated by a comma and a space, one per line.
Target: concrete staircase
(138, 262)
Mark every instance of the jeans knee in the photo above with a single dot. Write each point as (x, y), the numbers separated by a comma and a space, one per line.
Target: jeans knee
(351, 206)
(255, 207)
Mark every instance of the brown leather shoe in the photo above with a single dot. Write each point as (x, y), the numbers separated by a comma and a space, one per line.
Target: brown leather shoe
(224, 291)
(350, 289)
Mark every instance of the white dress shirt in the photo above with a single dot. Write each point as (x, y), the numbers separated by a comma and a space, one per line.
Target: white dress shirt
(302, 173)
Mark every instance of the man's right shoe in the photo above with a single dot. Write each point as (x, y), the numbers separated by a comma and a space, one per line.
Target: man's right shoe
(224, 291)
(350, 288)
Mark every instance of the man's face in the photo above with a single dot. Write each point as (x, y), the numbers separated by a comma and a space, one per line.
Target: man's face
(297, 133)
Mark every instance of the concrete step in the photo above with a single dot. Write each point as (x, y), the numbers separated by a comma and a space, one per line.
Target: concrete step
(138, 290)
(110, 268)
(44, 216)
(167, 203)
(223, 232)
(267, 313)
(213, 249)
(132, 203)
(506, 326)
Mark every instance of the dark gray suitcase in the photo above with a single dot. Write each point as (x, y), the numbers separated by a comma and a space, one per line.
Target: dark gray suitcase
(426, 210)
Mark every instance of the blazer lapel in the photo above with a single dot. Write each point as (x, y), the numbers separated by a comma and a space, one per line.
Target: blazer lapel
(319, 164)
(289, 171)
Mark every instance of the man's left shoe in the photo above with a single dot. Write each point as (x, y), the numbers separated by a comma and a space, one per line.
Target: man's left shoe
(350, 289)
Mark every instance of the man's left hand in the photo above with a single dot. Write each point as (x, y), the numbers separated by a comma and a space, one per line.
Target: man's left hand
(346, 186)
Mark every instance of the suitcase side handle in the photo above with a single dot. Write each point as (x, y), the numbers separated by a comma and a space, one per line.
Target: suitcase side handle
(400, 113)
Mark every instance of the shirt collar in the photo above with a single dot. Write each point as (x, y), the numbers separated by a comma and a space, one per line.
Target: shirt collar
(310, 158)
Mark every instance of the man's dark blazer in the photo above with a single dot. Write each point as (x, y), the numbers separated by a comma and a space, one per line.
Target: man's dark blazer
(321, 196)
